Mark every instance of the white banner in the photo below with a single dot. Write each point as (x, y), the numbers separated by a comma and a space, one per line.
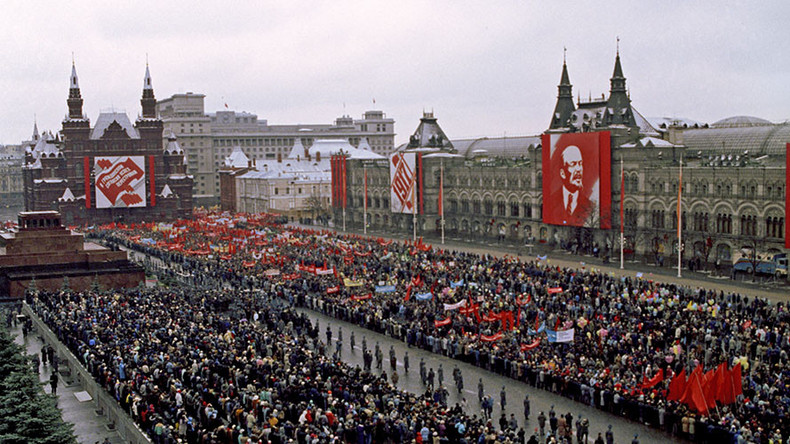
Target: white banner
(403, 167)
(120, 181)
(560, 335)
(448, 307)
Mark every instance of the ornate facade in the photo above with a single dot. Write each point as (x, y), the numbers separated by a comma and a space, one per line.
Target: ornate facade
(60, 171)
(733, 191)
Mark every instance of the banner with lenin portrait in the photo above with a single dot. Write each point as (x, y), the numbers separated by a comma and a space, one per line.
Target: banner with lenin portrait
(577, 179)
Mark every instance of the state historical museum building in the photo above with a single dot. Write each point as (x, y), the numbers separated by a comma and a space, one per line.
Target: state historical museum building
(115, 171)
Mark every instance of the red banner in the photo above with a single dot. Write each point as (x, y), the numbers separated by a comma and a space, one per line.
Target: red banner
(492, 338)
(332, 290)
(361, 297)
(555, 290)
(420, 180)
(86, 168)
(443, 322)
(152, 179)
(577, 179)
(527, 347)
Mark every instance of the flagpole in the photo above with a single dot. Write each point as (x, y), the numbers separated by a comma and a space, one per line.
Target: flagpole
(414, 204)
(441, 193)
(622, 217)
(365, 197)
(680, 217)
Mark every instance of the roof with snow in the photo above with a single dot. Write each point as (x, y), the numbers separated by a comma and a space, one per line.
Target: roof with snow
(107, 118)
(173, 147)
(760, 139)
(665, 122)
(68, 196)
(507, 147)
(329, 147)
(740, 122)
(166, 191)
(237, 159)
(650, 142)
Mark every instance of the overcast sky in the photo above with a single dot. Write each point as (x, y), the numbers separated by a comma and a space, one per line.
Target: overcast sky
(486, 68)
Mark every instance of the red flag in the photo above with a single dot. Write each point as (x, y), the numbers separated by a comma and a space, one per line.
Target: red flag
(694, 397)
(714, 385)
(408, 293)
(737, 381)
(622, 193)
(441, 193)
(677, 387)
(652, 382)
(366, 190)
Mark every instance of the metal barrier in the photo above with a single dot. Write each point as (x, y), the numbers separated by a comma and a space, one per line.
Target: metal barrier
(104, 403)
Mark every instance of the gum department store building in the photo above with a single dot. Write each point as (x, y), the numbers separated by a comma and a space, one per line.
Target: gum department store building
(733, 183)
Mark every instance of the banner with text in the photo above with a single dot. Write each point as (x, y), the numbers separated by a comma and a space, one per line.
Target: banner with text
(120, 181)
(403, 180)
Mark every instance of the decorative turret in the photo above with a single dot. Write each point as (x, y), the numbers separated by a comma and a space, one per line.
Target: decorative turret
(174, 157)
(565, 106)
(148, 125)
(75, 98)
(429, 135)
(618, 106)
(148, 101)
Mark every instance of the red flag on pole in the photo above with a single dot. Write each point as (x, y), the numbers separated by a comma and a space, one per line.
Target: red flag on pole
(622, 194)
(713, 389)
(652, 382)
(441, 193)
(677, 387)
(737, 381)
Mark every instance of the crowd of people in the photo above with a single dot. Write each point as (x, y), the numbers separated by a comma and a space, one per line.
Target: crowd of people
(625, 329)
(190, 366)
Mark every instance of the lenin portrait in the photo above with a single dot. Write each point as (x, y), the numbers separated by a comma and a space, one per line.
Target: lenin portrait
(572, 179)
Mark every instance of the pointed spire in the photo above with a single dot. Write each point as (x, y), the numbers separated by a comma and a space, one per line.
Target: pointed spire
(618, 79)
(75, 97)
(564, 107)
(75, 82)
(565, 79)
(148, 100)
(147, 81)
(35, 128)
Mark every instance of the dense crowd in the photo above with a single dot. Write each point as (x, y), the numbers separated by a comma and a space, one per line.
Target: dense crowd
(626, 330)
(189, 367)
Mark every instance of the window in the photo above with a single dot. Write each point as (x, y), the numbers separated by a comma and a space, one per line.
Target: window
(453, 206)
(489, 208)
(514, 209)
(657, 218)
(476, 207)
(748, 225)
(465, 206)
(724, 223)
(701, 221)
(774, 227)
(528, 210)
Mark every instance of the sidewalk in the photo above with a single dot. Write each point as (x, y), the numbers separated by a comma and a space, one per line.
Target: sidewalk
(89, 427)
